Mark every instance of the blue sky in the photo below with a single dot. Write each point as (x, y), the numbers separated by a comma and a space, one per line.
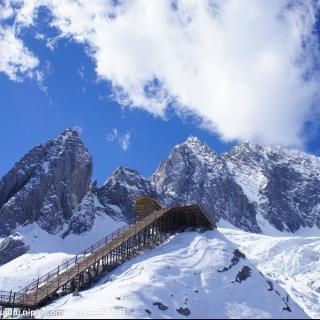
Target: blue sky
(212, 85)
(31, 116)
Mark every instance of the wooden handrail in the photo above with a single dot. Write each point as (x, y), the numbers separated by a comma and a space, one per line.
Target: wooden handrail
(33, 293)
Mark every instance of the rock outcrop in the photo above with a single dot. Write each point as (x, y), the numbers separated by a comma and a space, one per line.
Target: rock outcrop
(46, 185)
(117, 195)
(12, 247)
(194, 173)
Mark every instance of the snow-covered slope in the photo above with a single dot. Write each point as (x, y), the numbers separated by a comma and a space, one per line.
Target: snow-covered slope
(20, 272)
(40, 241)
(292, 261)
(200, 274)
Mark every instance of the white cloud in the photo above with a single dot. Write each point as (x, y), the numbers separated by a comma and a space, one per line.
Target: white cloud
(122, 139)
(240, 66)
(112, 136)
(15, 59)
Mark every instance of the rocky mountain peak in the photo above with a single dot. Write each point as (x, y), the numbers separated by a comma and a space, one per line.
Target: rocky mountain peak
(194, 173)
(281, 182)
(121, 189)
(46, 185)
(196, 146)
(68, 133)
(123, 173)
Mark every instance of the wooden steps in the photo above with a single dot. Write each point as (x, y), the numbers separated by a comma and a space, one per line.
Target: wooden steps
(108, 253)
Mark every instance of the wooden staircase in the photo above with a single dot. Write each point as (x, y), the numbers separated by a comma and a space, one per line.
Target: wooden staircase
(87, 267)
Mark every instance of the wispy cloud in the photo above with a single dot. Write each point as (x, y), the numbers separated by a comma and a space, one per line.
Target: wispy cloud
(122, 139)
(244, 68)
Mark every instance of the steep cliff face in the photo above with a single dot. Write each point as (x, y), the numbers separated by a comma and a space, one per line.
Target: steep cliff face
(46, 185)
(117, 195)
(243, 186)
(283, 184)
(194, 173)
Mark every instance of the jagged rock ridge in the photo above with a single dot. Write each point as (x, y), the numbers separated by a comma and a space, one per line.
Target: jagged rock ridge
(51, 186)
(194, 173)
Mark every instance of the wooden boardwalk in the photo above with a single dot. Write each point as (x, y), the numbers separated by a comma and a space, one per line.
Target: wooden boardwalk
(87, 267)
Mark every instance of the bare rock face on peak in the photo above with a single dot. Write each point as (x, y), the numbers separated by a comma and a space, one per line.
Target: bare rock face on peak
(46, 185)
(250, 186)
(117, 195)
(194, 173)
(283, 184)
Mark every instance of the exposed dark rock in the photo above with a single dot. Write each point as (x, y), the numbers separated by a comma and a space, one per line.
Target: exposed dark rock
(184, 311)
(161, 306)
(237, 255)
(194, 173)
(287, 308)
(83, 217)
(287, 184)
(148, 312)
(10, 248)
(46, 185)
(270, 285)
(120, 191)
(243, 274)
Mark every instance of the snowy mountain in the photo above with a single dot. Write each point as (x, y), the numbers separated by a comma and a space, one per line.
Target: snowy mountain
(121, 189)
(252, 186)
(46, 185)
(192, 274)
(194, 173)
(283, 184)
(50, 208)
(195, 275)
(48, 194)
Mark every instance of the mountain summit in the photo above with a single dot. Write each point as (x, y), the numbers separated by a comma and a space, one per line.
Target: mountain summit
(46, 185)
(251, 187)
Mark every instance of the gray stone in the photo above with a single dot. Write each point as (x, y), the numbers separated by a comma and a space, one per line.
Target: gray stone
(184, 311)
(194, 173)
(286, 183)
(120, 191)
(12, 247)
(243, 274)
(46, 185)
